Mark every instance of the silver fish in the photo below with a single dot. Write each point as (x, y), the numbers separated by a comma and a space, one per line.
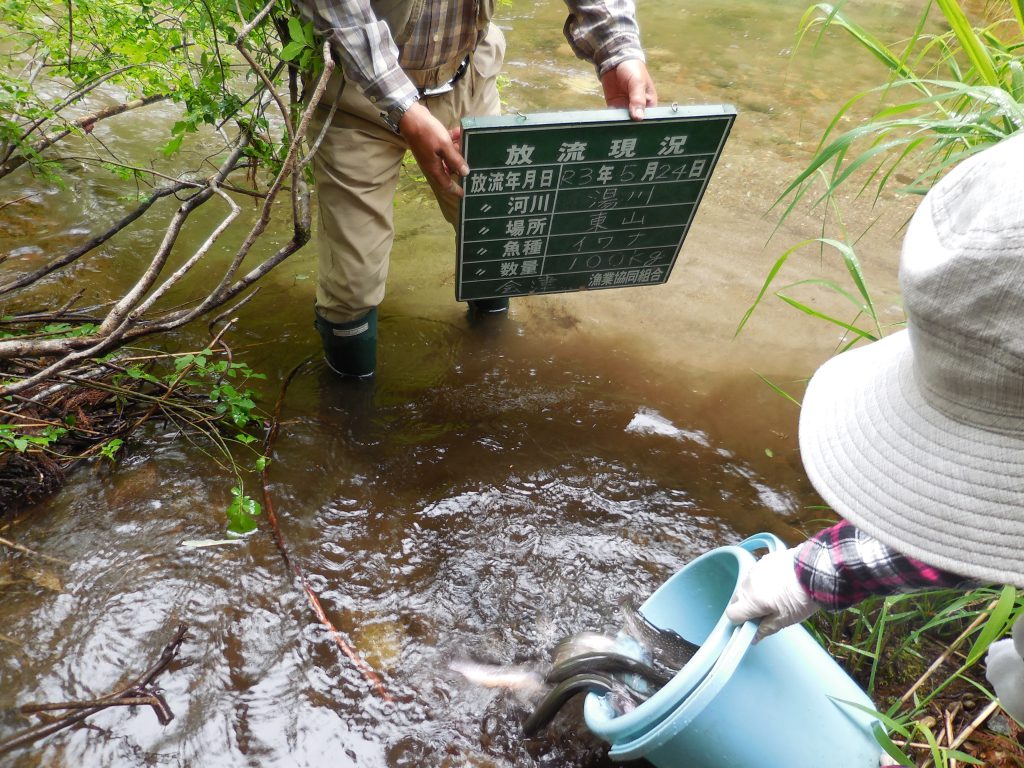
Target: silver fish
(517, 678)
(580, 643)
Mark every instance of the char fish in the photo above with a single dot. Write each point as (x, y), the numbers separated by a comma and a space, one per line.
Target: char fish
(669, 651)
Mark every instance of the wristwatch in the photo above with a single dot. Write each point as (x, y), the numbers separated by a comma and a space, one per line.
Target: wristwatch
(393, 116)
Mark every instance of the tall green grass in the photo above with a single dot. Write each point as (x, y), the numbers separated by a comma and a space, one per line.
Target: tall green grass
(951, 89)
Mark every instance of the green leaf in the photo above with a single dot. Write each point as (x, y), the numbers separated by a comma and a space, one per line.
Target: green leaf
(110, 448)
(240, 514)
(976, 51)
(767, 283)
(778, 390)
(828, 318)
(888, 722)
(933, 744)
(995, 626)
(963, 757)
(1018, 12)
(890, 747)
(295, 32)
(830, 15)
(173, 145)
(291, 50)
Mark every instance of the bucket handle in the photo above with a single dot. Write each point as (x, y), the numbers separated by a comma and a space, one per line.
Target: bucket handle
(763, 540)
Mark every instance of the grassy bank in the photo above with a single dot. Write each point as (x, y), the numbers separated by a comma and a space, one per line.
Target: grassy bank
(950, 87)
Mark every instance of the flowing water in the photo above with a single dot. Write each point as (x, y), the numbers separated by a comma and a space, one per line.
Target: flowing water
(497, 488)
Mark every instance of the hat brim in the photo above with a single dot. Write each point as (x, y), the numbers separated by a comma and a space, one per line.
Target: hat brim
(930, 487)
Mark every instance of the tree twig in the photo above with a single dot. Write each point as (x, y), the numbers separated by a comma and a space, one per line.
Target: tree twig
(124, 701)
(20, 548)
(86, 122)
(75, 253)
(139, 688)
(346, 648)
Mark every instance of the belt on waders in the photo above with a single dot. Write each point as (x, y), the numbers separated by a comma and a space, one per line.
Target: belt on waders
(450, 85)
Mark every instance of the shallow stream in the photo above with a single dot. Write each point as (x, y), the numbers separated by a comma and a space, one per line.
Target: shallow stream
(497, 488)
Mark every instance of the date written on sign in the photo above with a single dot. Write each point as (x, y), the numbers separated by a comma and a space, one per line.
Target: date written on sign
(563, 202)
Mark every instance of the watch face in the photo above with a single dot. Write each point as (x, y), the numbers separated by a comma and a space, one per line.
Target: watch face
(390, 121)
(393, 117)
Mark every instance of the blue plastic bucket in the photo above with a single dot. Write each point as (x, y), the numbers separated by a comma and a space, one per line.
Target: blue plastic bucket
(782, 702)
(704, 587)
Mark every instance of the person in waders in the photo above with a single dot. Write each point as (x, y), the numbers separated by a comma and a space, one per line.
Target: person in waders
(917, 440)
(409, 70)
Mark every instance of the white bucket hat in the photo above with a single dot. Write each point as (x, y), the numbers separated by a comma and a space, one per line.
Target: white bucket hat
(918, 439)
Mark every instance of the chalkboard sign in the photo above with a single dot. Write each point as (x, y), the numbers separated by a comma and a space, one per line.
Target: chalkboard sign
(576, 201)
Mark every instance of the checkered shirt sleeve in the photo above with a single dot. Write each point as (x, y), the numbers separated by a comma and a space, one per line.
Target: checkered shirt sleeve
(365, 47)
(604, 32)
(840, 566)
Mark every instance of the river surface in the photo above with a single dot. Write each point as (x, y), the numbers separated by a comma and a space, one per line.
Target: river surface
(497, 488)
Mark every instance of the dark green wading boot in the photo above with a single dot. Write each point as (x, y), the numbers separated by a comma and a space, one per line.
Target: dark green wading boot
(481, 309)
(350, 348)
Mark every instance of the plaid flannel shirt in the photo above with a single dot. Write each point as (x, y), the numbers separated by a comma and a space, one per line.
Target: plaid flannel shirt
(840, 566)
(604, 32)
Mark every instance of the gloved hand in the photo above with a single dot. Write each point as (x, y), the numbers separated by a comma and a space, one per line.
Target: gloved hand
(1005, 670)
(770, 591)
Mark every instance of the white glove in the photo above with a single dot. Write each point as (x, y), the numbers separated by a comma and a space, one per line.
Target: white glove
(1005, 671)
(769, 590)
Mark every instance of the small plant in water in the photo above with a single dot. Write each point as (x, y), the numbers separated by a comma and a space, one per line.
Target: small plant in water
(204, 395)
(242, 513)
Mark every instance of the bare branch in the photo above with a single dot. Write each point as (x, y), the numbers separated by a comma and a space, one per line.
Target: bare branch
(123, 315)
(138, 688)
(13, 162)
(317, 95)
(76, 253)
(255, 21)
(138, 311)
(200, 252)
(267, 84)
(123, 310)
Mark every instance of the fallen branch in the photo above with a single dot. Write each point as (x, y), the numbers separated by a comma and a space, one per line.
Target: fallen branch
(20, 548)
(975, 724)
(138, 691)
(346, 648)
(75, 253)
(127, 701)
(86, 123)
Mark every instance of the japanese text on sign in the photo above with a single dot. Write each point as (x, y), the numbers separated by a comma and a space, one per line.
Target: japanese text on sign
(568, 202)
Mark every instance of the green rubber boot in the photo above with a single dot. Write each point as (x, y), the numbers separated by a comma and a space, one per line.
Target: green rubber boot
(350, 348)
(495, 306)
